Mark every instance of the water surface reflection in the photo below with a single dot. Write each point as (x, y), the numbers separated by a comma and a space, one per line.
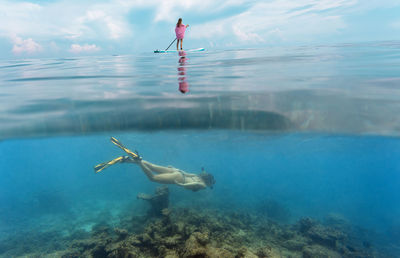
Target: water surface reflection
(182, 82)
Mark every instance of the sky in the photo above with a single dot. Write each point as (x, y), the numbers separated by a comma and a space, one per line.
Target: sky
(59, 28)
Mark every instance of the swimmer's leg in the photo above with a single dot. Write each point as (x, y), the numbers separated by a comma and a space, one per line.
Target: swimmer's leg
(181, 43)
(146, 170)
(177, 44)
(157, 169)
(166, 178)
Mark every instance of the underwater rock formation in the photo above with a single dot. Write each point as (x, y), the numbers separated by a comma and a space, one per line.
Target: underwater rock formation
(159, 201)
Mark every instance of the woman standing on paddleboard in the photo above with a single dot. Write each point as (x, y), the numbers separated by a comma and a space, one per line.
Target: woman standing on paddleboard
(180, 32)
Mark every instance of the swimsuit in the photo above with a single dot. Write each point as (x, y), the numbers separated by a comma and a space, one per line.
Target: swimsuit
(195, 179)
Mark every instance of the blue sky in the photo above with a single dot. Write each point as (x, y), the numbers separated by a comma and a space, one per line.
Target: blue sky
(49, 28)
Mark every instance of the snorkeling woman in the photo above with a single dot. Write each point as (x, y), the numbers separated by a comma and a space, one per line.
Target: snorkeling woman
(180, 32)
(161, 174)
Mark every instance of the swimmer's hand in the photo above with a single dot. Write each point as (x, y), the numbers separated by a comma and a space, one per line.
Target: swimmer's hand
(187, 25)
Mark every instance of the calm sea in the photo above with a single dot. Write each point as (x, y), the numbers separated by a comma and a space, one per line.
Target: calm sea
(313, 128)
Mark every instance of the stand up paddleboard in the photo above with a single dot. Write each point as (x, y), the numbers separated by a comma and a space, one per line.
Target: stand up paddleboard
(171, 51)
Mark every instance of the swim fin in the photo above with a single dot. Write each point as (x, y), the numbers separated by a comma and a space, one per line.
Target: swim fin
(135, 156)
(105, 165)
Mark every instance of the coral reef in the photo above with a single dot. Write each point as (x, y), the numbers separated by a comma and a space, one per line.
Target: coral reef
(184, 232)
(190, 233)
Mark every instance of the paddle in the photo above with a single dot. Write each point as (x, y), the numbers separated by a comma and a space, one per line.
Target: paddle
(170, 44)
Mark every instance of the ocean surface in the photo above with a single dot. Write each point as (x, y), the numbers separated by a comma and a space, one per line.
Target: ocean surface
(288, 133)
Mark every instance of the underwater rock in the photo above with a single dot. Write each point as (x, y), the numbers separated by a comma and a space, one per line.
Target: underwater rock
(265, 252)
(326, 241)
(94, 246)
(325, 236)
(197, 246)
(316, 251)
(243, 252)
(305, 224)
(171, 254)
(122, 233)
(322, 235)
(123, 253)
(295, 244)
(287, 234)
(159, 201)
(201, 238)
(171, 241)
(193, 248)
(100, 228)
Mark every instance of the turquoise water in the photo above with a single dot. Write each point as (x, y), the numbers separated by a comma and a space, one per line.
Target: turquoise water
(313, 130)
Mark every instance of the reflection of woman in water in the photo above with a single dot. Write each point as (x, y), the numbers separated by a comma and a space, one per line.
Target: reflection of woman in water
(183, 84)
(161, 174)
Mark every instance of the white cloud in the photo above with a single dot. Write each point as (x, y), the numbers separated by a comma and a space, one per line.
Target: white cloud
(170, 10)
(245, 21)
(115, 27)
(25, 46)
(395, 24)
(76, 48)
(64, 19)
(278, 19)
(108, 19)
(53, 46)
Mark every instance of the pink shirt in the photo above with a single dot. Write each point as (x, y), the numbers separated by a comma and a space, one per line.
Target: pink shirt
(180, 31)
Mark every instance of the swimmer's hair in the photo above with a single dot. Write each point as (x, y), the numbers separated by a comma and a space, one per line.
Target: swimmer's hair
(208, 179)
(179, 22)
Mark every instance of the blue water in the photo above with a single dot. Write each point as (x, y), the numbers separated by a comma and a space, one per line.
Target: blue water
(314, 128)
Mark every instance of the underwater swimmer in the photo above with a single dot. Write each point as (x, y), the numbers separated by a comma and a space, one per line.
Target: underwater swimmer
(161, 174)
